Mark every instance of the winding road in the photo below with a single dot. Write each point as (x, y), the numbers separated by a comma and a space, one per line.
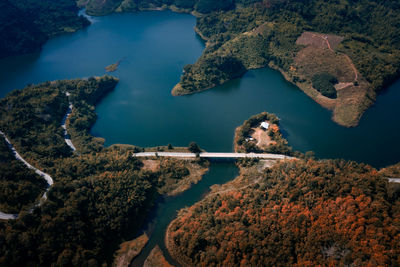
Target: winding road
(393, 180)
(48, 178)
(64, 125)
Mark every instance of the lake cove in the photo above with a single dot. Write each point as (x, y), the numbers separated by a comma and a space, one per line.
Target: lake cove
(154, 47)
(153, 117)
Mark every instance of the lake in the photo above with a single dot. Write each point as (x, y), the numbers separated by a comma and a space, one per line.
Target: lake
(153, 48)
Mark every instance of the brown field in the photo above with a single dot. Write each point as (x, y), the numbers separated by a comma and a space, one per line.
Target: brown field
(151, 165)
(262, 138)
(325, 41)
(311, 60)
(319, 56)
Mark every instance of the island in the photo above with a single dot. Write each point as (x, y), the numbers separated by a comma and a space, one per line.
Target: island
(261, 134)
(113, 67)
(69, 200)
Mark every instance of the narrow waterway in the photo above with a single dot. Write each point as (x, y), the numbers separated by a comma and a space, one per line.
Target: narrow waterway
(154, 47)
(166, 209)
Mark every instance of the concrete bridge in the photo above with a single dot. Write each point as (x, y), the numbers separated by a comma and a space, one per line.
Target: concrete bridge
(393, 180)
(212, 155)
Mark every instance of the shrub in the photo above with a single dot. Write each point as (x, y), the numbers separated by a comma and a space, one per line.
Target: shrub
(324, 83)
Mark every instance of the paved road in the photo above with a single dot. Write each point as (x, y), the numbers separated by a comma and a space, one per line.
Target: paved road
(64, 125)
(212, 155)
(394, 180)
(7, 216)
(45, 176)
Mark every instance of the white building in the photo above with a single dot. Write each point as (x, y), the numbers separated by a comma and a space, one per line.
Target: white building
(264, 125)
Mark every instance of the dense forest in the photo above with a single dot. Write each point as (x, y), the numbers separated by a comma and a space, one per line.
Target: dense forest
(20, 187)
(371, 29)
(25, 25)
(247, 34)
(297, 213)
(95, 7)
(100, 196)
(265, 34)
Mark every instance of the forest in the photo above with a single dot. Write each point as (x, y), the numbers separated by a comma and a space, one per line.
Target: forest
(25, 25)
(266, 33)
(100, 8)
(371, 30)
(297, 213)
(100, 196)
(19, 186)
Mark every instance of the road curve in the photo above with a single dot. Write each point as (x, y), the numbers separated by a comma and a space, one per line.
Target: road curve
(212, 155)
(64, 125)
(393, 180)
(48, 178)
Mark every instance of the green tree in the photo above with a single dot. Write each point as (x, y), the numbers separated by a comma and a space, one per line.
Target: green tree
(194, 148)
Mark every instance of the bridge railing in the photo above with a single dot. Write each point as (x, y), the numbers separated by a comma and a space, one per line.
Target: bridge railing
(221, 155)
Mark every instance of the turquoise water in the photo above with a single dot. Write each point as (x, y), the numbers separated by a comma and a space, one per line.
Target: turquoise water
(153, 48)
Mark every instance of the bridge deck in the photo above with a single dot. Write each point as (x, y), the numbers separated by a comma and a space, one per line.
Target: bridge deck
(393, 180)
(211, 155)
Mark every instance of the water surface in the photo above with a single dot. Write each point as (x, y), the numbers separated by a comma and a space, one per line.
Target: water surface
(154, 47)
(167, 208)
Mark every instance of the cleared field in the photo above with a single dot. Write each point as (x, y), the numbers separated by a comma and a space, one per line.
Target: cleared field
(354, 93)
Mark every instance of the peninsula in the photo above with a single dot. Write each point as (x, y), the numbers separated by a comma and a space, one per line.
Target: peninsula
(308, 42)
(69, 198)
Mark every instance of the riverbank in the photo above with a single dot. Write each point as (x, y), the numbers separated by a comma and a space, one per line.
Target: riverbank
(156, 259)
(129, 250)
(265, 208)
(298, 58)
(249, 175)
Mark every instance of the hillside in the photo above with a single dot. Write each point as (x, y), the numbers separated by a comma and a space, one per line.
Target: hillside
(100, 7)
(297, 213)
(356, 42)
(25, 25)
(100, 196)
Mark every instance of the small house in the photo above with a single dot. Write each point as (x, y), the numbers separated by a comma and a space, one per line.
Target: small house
(265, 125)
